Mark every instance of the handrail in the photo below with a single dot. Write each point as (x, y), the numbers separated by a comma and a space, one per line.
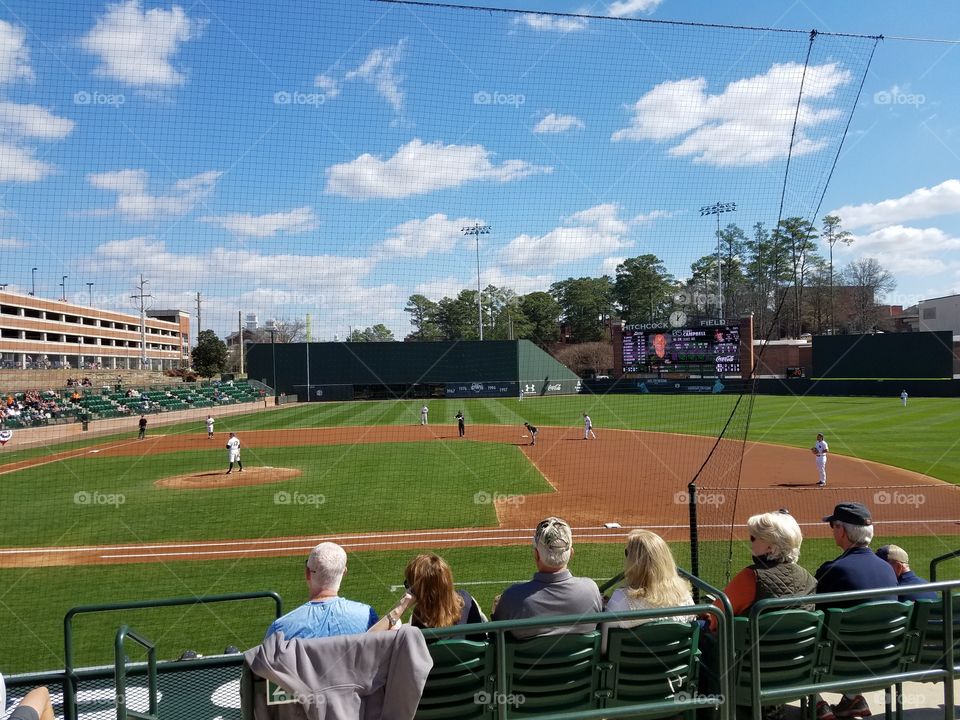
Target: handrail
(120, 675)
(940, 559)
(499, 629)
(949, 674)
(70, 676)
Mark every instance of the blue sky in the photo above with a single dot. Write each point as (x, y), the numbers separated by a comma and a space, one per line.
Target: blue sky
(285, 161)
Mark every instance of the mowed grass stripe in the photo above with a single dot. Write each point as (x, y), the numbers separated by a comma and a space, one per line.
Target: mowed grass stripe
(343, 488)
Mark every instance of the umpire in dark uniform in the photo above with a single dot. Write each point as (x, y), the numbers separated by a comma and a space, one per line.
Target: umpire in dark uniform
(459, 417)
(857, 568)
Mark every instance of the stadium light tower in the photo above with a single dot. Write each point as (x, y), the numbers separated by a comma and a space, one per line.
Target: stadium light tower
(63, 284)
(90, 292)
(33, 281)
(718, 209)
(477, 230)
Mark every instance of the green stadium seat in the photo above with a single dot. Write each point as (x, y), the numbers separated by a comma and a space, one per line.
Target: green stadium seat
(554, 673)
(462, 678)
(790, 645)
(652, 662)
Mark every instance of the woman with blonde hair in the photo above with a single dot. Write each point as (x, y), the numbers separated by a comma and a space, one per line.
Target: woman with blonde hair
(775, 540)
(429, 580)
(650, 580)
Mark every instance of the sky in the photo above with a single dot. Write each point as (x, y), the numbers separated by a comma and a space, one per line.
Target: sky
(324, 161)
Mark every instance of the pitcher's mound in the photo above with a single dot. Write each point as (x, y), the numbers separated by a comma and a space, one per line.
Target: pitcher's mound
(249, 476)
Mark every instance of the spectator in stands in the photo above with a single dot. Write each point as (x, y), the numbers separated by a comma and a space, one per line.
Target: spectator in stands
(775, 540)
(35, 705)
(897, 558)
(650, 580)
(553, 589)
(429, 581)
(856, 569)
(325, 614)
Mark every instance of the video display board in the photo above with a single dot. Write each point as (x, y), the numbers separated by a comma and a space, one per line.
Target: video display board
(685, 349)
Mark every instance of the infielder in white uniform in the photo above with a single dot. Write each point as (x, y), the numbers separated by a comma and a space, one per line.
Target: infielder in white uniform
(588, 428)
(210, 422)
(233, 453)
(903, 397)
(423, 414)
(820, 449)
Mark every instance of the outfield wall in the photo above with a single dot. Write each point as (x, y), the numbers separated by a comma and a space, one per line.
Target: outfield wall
(385, 370)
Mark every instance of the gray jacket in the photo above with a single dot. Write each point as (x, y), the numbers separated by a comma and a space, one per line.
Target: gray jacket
(371, 676)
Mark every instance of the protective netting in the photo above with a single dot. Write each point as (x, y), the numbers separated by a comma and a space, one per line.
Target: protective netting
(354, 171)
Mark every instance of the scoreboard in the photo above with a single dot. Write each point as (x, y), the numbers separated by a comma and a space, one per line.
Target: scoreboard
(652, 348)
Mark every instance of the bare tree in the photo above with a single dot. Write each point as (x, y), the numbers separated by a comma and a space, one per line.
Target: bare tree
(590, 358)
(867, 280)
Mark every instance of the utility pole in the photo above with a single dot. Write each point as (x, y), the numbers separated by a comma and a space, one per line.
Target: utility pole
(718, 209)
(198, 315)
(242, 346)
(477, 230)
(140, 300)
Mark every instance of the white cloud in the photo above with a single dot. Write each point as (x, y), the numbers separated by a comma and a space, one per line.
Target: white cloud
(14, 53)
(551, 23)
(379, 69)
(32, 121)
(22, 122)
(135, 201)
(628, 8)
(11, 244)
(905, 250)
(608, 266)
(328, 85)
(18, 164)
(554, 123)
(419, 168)
(298, 220)
(749, 123)
(942, 199)
(419, 238)
(595, 231)
(137, 47)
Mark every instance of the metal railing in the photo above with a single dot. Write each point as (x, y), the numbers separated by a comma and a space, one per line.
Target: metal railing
(70, 675)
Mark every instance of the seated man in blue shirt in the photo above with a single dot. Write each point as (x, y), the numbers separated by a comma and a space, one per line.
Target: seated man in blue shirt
(857, 568)
(553, 590)
(325, 614)
(898, 559)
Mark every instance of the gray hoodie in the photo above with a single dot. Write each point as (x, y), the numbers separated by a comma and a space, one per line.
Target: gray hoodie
(372, 676)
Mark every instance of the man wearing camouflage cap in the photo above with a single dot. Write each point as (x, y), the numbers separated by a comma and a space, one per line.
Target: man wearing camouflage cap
(553, 590)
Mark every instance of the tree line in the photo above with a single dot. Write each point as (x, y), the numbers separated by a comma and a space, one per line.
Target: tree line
(781, 275)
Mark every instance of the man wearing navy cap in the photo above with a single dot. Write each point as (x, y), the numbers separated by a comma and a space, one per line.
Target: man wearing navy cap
(857, 568)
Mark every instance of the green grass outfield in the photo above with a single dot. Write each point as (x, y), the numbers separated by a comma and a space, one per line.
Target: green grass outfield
(34, 601)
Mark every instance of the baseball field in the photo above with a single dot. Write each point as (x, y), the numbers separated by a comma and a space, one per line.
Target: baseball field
(117, 519)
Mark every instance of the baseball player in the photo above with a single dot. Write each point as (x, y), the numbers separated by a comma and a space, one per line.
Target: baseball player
(233, 453)
(423, 414)
(820, 449)
(459, 418)
(533, 433)
(903, 397)
(143, 428)
(588, 428)
(210, 422)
